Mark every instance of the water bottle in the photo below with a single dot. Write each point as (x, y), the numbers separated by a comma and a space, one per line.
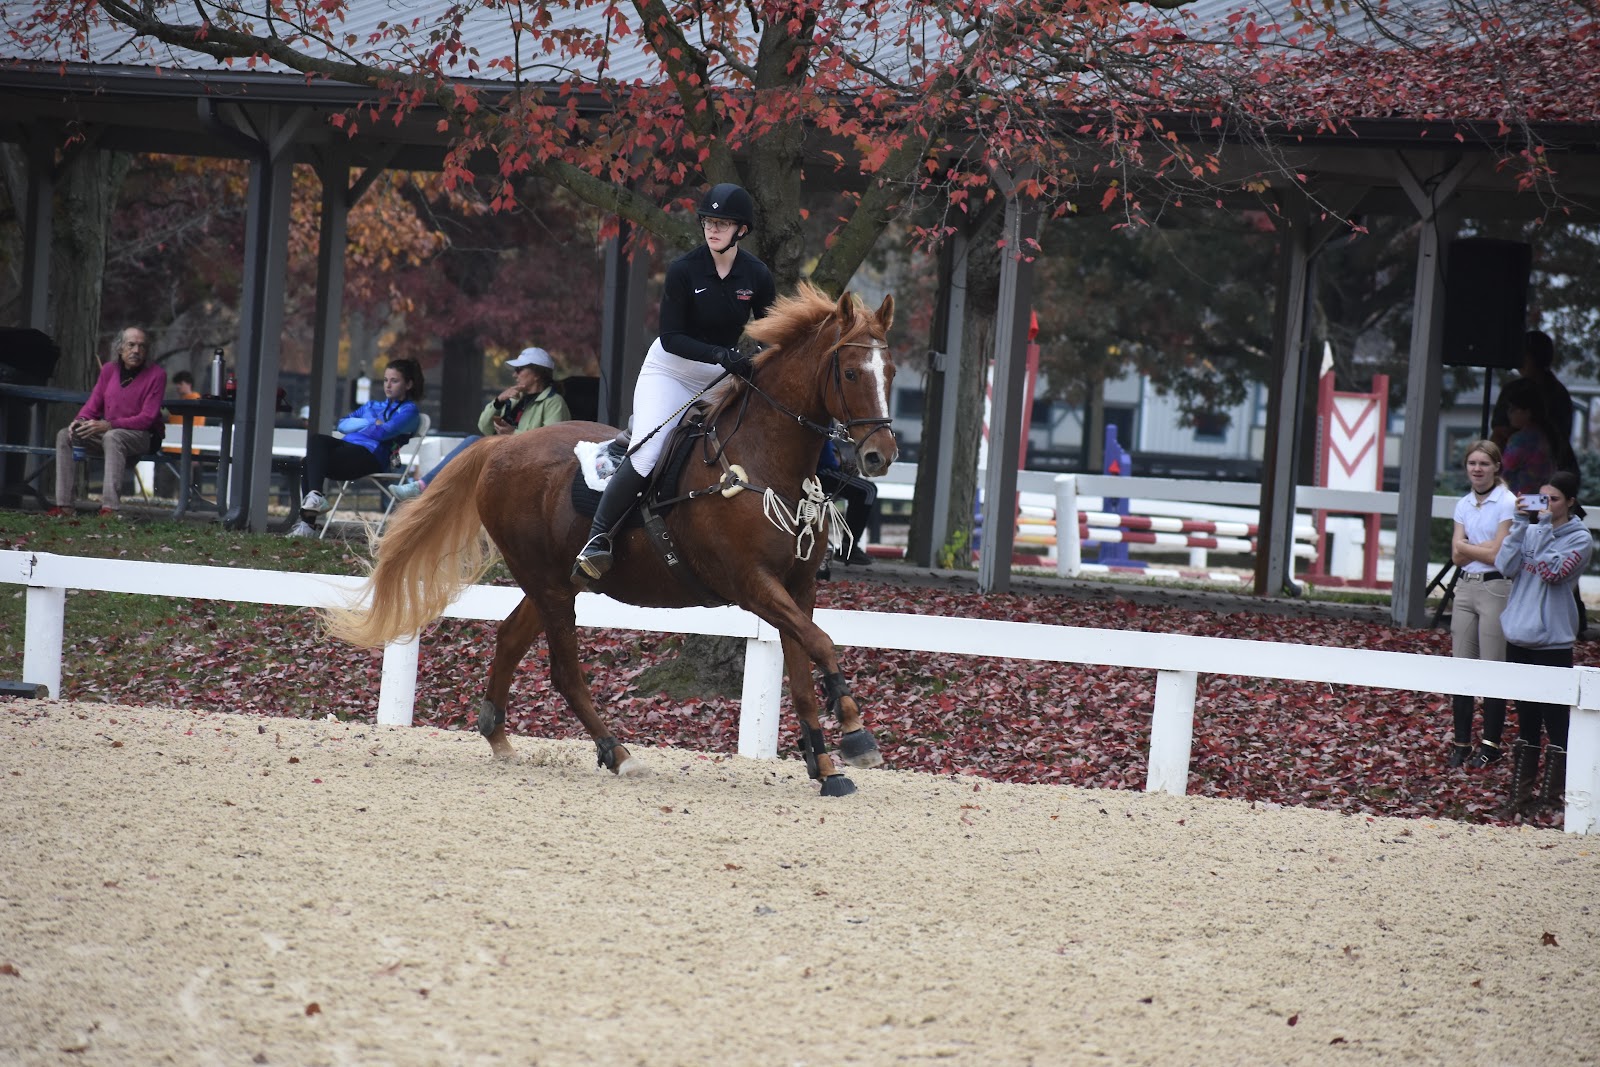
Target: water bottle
(229, 387)
(216, 373)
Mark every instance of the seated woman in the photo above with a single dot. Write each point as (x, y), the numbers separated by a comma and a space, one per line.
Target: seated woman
(528, 403)
(372, 434)
(1545, 554)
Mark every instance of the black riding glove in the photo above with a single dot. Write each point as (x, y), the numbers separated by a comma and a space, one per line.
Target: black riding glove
(736, 363)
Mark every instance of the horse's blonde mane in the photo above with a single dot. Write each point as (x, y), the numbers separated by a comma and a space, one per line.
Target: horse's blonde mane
(793, 316)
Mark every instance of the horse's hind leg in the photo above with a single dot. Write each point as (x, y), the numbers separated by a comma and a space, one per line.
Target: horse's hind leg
(512, 641)
(561, 631)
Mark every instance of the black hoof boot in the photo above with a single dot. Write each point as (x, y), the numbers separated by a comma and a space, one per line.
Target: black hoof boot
(837, 785)
(858, 749)
(490, 718)
(1460, 753)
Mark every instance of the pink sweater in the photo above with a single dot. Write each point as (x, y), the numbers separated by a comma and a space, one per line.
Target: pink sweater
(134, 407)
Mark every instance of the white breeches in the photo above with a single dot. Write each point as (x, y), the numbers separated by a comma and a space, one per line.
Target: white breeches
(666, 382)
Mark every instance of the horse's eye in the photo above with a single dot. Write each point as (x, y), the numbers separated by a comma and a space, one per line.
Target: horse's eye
(849, 375)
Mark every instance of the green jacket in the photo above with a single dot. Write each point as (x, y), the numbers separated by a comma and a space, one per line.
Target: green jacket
(546, 409)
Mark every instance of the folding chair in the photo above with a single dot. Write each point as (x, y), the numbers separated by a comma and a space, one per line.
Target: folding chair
(384, 481)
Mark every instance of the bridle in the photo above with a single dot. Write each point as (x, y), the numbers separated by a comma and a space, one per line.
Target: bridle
(836, 431)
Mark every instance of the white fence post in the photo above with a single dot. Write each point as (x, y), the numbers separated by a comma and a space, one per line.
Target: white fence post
(1171, 733)
(41, 647)
(397, 693)
(1069, 551)
(763, 688)
(1583, 757)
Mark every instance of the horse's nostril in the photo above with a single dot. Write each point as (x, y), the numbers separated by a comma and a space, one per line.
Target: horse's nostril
(874, 460)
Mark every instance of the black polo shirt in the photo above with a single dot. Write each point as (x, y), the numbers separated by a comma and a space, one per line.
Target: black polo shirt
(702, 313)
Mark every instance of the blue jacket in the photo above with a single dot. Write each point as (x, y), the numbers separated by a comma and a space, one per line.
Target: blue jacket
(381, 427)
(1544, 563)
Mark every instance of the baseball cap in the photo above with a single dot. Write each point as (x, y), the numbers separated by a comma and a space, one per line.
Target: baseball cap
(533, 357)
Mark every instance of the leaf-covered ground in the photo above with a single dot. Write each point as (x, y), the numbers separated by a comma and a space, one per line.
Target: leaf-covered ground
(1344, 748)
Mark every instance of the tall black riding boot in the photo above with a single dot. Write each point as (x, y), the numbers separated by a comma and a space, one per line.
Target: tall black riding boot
(1461, 708)
(1553, 784)
(1524, 773)
(622, 491)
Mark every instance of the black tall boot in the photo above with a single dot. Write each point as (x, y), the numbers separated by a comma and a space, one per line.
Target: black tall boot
(1524, 773)
(1461, 708)
(1553, 785)
(622, 491)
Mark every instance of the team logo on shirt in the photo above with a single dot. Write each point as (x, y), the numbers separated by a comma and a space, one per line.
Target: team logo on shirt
(746, 295)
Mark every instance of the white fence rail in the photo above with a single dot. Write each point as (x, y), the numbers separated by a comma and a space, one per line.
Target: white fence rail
(1177, 659)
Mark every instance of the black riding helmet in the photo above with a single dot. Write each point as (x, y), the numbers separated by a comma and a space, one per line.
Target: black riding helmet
(731, 202)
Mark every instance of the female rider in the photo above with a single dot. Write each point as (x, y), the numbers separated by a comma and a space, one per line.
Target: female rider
(1482, 520)
(710, 294)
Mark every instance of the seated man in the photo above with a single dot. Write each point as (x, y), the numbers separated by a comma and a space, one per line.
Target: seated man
(121, 420)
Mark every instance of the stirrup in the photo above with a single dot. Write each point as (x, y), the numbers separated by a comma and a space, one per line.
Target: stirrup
(594, 559)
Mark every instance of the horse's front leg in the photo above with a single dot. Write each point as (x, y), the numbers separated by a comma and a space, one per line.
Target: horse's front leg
(813, 745)
(856, 744)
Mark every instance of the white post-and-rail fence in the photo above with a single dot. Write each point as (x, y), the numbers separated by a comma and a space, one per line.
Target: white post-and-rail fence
(1177, 659)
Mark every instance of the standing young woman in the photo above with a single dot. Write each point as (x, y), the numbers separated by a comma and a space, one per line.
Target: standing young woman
(1482, 520)
(1544, 556)
(710, 294)
(372, 433)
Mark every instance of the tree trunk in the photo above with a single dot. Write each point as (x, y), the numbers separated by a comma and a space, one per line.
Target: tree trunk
(705, 666)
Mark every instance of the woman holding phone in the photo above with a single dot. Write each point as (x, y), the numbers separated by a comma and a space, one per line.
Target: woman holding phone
(1543, 556)
(1482, 521)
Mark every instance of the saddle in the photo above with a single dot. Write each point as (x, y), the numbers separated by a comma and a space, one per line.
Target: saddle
(660, 495)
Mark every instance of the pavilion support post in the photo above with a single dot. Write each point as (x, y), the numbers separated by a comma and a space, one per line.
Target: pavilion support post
(339, 195)
(266, 267)
(334, 174)
(1010, 382)
(1283, 405)
(1432, 198)
(622, 338)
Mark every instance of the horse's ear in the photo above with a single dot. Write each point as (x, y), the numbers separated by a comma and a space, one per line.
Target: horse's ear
(886, 313)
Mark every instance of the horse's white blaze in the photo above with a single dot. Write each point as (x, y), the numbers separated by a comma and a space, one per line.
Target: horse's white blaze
(875, 367)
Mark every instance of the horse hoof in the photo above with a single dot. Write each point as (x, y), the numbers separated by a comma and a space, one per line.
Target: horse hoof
(858, 749)
(502, 749)
(631, 768)
(837, 785)
(489, 718)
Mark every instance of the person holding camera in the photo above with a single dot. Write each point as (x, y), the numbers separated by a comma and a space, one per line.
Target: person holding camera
(1543, 556)
(121, 420)
(527, 404)
(1483, 518)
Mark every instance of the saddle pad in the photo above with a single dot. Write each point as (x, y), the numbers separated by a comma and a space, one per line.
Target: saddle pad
(666, 473)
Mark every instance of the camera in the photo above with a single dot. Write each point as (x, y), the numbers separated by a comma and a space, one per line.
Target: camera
(505, 408)
(1534, 502)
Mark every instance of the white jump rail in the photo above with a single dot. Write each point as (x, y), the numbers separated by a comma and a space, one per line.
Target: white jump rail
(1177, 659)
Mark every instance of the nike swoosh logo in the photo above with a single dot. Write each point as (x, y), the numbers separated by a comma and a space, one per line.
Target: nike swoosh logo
(697, 292)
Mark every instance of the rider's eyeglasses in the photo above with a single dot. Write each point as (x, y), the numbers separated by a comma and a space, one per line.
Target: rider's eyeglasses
(718, 225)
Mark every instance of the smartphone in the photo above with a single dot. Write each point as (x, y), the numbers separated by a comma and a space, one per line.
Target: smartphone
(1534, 502)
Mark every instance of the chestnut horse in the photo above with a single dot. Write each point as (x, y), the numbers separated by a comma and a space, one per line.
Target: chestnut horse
(826, 371)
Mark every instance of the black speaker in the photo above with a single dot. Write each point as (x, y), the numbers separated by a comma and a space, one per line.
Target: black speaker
(1486, 302)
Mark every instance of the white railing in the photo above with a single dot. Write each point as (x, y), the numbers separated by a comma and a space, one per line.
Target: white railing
(1177, 659)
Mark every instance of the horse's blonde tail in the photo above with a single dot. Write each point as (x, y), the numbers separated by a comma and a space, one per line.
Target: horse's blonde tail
(433, 549)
